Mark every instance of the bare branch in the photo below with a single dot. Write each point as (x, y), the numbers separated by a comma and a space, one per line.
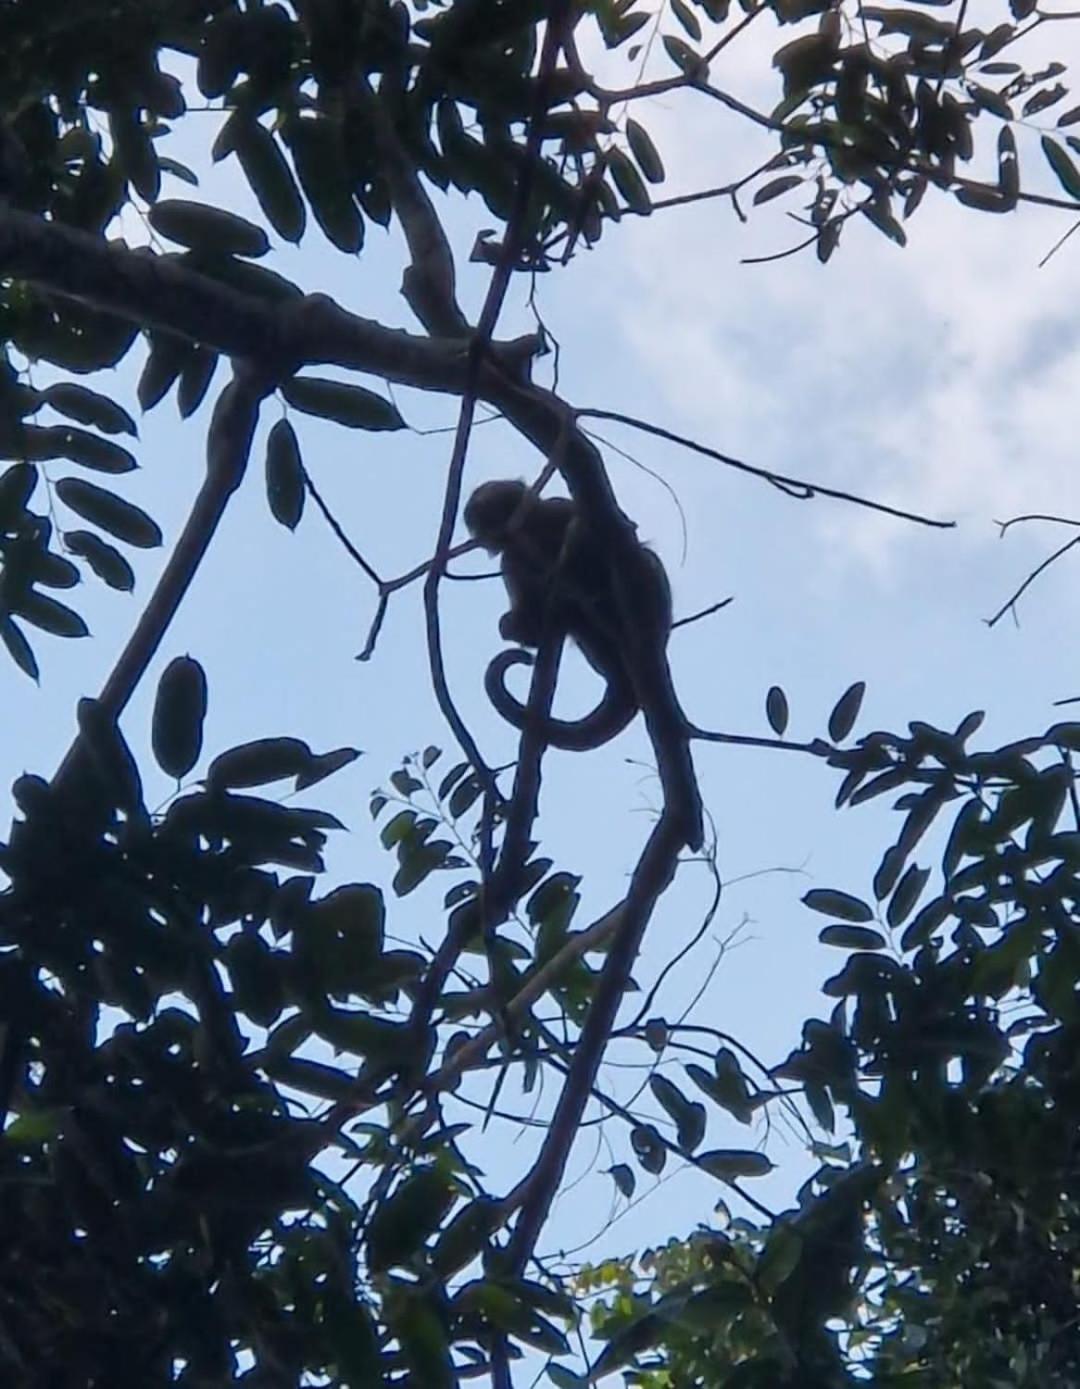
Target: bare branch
(807, 489)
(1010, 604)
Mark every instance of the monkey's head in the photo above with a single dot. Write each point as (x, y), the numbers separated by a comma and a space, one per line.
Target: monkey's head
(489, 510)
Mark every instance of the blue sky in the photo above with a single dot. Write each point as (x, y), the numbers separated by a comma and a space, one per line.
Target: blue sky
(941, 378)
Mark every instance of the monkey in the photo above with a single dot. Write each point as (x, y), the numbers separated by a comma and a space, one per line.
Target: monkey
(560, 584)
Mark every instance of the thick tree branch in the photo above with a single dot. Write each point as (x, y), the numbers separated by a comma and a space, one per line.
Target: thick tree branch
(154, 291)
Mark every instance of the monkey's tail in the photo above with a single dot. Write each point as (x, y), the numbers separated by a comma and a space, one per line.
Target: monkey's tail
(614, 712)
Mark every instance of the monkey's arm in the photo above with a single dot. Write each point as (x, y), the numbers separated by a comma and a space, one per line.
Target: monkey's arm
(615, 710)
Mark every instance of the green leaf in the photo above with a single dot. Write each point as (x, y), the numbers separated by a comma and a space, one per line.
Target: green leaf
(649, 1148)
(644, 151)
(195, 377)
(629, 182)
(852, 937)
(88, 407)
(689, 1116)
(341, 402)
(687, 19)
(411, 1214)
(94, 452)
(271, 180)
(907, 893)
(258, 987)
(841, 904)
(19, 649)
(48, 614)
(258, 762)
(684, 58)
(106, 561)
(780, 1257)
(731, 1163)
(776, 710)
(316, 148)
(205, 228)
(466, 1236)
(846, 711)
(110, 512)
(1062, 166)
(163, 365)
(776, 187)
(325, 764)
(176, 730)
(17, 484)
(285, 488)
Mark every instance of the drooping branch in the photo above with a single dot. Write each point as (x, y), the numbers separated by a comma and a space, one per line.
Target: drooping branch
(228, 447)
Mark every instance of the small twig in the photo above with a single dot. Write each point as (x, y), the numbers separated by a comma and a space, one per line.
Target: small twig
(705, 612)
(1039, 569)
(335, 525)
(807, 489)
(1035, 516)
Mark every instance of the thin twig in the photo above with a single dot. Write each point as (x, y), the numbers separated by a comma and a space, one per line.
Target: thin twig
(808, 489)
(1039, 569)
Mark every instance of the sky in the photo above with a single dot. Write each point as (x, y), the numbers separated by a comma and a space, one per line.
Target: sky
(940, 378)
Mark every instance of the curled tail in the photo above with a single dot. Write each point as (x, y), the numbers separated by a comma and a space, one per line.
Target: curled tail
(615, 710)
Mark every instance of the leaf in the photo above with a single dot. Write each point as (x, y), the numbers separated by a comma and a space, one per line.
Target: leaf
(110, 512)
(776, 710)
(260, 761)
(846, 711)
(1008, 165)
(195, 377)
(88, 407)
(204, 228)
(106, 562)
(17, 484)
(776, 187)
(684, 58)
(271, 179)
(467, 1234)
(315, 144)
(689, 1116)
(1041, 100)
(176, 730)
(19, 649)
(94, 452)
(984, 200)
(1062, 166)
(629, 182)
(649, 1148)
(341, 402)
(178, 170)
(644, 151)
(1070, 117)
(852, 937)
(833, 903)
(285, 489)
(907, 893)
(687, 19)
(325, 764)
(163, 365)
(402, 1223)
(780, 1257)
(48, 614)
(729, 1163)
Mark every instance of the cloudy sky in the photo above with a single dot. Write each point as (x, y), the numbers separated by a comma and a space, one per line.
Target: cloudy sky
(941, 378)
